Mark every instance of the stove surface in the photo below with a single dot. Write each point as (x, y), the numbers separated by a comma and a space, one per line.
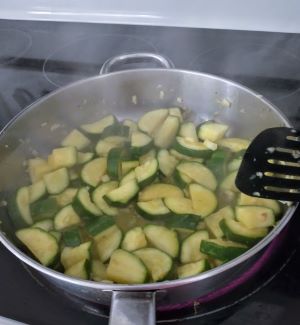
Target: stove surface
(38, 57)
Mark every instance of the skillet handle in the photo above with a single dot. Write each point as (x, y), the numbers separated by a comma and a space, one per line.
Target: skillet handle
(132, 308)
(160, 60)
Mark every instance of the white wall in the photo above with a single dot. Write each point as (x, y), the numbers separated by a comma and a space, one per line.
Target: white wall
(263, 15)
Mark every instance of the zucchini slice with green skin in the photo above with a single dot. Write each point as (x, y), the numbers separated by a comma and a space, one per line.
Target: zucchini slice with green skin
(114, 160)
(146, 173)
(98, 225)
(212, 131)
(57, 181)
(123, 195)
(165, 135)
(234, 164)
(98, 194)
(36, 191)
(107, 242)
(221, 249)
(255, 217)
(67, 196)
(84, 157)
(204, 201)
(84, 206)
(152, 210)
(72, 237)
(105, 145)
(118, 129)
(130, 176)
(190, 248)
(180, 206)
(234, 144)
(93, 171)
(180, 179)
(98, 271)
(190, 148)
(236, 232)
(192, 269)
(180, 156)
(131, 124)
(134, 239)
(66, 217)
(166, 162)
(46, 224)
(141, 143)
(37, 168)
(228, 184)
(147, 156)
(152, 120)
(159, 191)
(76, 139)
(188, 130)
(56, 234)
(72, 255)
(99, 126)
(182, 223)
(44, 209)
(127, 166)
(212, 221)
(62, 157)
(125, 267)
(163, 238)
(217, 163)
(40, 243)
(80, 270)
(158, 263)
(19, 208)
(244, 199)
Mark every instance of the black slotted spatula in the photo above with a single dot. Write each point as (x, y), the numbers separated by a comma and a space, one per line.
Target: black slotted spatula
(271, 165)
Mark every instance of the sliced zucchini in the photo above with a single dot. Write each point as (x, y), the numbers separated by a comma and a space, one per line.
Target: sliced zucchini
(123, 195)
(163, 238)
(180, 156)
(46, 224)
(98, 271)
(114, 159)
(127, 166)
(212, 221)
(158, 263)
(57, 181)
(131, 125)
(84, 206)
(125, 267)
(99, 225)
(182, 223)
(67, 196)
(73, 255)
(190, 248)
(147, 156)
(84, 157)
(99, 126)
(159, 191)
(134, 239)
(105, 145)
(181, 179)
(228, 184)
(176, 111)
(204, 201)
(141, 143)
(221, 249)
(152, 210)
(36, 191)
(255, 217)
(66, 217)
(44, 209)
(217, 163)
(188, 130)
(62, 157)
(192, 269)
(198, 173)
(151, 121)
(235, 231)
(146, 173)
(212, 131)
(166, 133)
(234, 164)
(93, 171)
(166, 162)
(79, 270)
(107, 242)
(19, 208)
(72, 237)
(56, 234)
(180, 206)
(76, 139)
(130, 176)
(40, 243)
(98, 194)
(244, 199)
(234, 144)
(37, 168)
(191, 148)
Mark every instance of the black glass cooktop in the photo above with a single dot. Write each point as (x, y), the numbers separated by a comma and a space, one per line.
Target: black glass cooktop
(38, 57)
